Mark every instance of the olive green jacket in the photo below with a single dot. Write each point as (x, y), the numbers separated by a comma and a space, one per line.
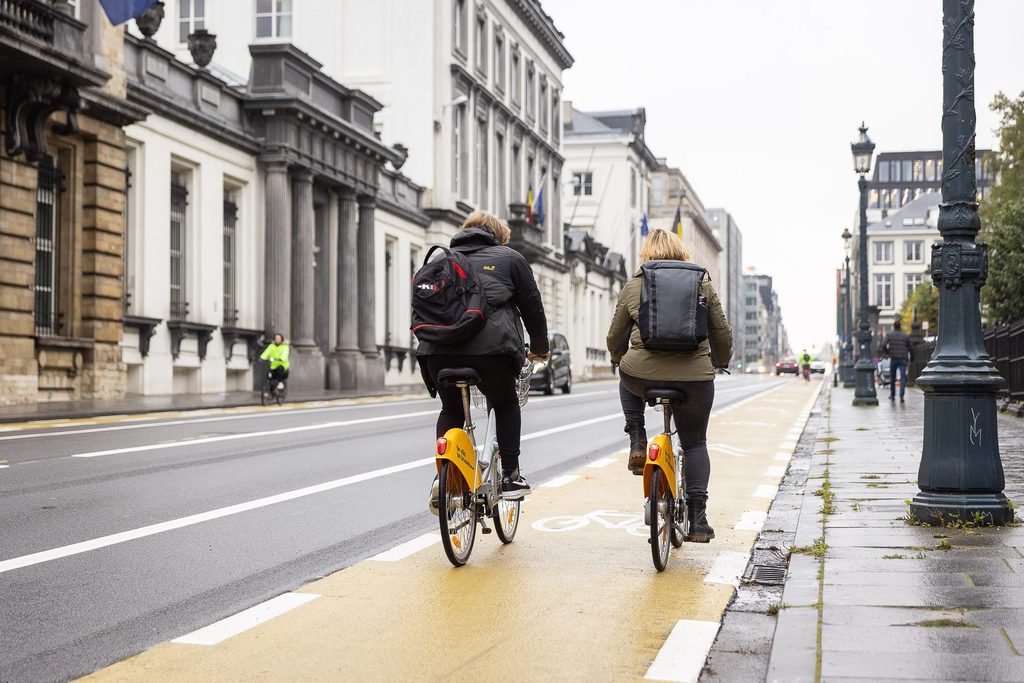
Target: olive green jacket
(676, 366)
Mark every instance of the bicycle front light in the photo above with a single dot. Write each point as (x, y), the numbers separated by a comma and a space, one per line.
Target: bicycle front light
(442, 446)
(653, 451)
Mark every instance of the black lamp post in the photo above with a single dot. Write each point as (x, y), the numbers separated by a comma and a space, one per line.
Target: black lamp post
(846, 355)
(961, 474)
(864, 395)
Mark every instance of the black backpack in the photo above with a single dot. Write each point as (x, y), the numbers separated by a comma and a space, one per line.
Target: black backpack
(673, 313)
(448, 302)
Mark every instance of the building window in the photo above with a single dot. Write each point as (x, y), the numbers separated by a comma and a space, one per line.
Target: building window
(906, 170)
(179, 234)
(481, 163)
(883, 172)
(657, 190)
(390, 245)
(529, 172)
(499, 59)
(531, 95)
(230, 255)
(555, 212)
(582, 184)
(556, 116)
(543, 103)
(273, 18)
(517, 174)
(913, 252)
(459, 26)
(480, 37)
(929, 170)
(918, 176)
(873, 201)
(905, 199)
(912, 281)
(517, 76)
(883, 252)
(459, 150)
(130, 266)
(191, 17)
(500, 201)
(883, 290)
(632, 186)
(48, 189)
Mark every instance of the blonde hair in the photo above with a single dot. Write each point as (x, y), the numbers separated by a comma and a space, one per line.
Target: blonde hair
(663, 245)
(482, 219)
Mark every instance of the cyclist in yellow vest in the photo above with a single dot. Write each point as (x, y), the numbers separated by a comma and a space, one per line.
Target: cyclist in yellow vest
(277, 353)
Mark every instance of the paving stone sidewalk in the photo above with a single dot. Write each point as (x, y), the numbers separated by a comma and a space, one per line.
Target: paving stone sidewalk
(868, 596)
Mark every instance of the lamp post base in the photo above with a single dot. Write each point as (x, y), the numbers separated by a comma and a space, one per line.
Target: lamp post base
(865, 393)
(846, 375)
(984, 509)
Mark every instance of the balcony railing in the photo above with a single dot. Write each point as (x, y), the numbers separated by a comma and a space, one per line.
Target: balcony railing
(29, 17)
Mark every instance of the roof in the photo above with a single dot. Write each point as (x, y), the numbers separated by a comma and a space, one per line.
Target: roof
(920, 214)
(613, 124)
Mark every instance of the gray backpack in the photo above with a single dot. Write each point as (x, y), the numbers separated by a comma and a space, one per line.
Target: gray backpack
(673, 312)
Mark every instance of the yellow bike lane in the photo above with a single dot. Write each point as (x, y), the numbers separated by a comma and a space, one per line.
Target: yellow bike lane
(575, 597)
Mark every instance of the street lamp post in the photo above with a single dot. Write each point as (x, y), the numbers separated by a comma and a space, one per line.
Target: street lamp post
(961, 474)
(864, 395)
(846, 357)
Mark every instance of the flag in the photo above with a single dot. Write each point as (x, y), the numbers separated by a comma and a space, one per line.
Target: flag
(538, 208)
(644, 226)
(120, 11)
(677, 224)
(529, 205)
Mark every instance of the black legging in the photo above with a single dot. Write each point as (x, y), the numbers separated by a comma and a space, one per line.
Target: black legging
(278, 374)
(691, 423)
(498, 375)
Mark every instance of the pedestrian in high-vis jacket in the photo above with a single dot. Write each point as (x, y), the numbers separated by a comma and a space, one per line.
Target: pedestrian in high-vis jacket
(897, 347)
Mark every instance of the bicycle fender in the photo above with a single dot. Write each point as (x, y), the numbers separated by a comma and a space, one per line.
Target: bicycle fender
(462, 454)
(666, 462)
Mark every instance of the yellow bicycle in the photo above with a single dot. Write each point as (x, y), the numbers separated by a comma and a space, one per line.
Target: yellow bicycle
(468, 486)
(664, 483)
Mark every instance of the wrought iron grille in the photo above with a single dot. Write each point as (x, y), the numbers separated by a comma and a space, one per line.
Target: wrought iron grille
(230, 221)
(48, 190)
(179, 234)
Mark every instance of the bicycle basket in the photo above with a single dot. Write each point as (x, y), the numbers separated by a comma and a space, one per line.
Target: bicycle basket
(479, 400)
(523, 389)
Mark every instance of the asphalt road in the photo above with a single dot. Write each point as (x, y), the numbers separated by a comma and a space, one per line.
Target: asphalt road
(116, 537)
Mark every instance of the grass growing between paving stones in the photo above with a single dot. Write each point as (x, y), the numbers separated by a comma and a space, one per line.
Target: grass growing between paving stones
(945, 623)
(820, 547)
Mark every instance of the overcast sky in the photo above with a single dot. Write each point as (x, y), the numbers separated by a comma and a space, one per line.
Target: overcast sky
(757, 102)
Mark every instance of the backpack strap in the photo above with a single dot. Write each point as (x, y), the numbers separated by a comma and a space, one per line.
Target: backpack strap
(446, 250)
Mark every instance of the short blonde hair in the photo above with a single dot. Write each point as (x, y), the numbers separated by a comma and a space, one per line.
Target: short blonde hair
(482, 219)
(662, 245)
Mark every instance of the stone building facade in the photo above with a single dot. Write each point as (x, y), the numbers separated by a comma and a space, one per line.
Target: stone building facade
(62, 198)
(672, 192)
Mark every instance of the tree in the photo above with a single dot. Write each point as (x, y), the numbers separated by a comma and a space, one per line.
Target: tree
(1003, 216)
(922, 305)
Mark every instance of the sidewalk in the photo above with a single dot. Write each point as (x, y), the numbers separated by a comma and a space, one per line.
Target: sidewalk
(868, 596)
(134, 404)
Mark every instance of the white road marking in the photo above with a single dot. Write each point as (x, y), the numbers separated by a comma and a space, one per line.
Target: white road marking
(560, 481)
(766, 491)
(404, 550)
(601, 462)
(751, 520)
(3, 467)
(10, 429)
(788, 445)
(727, 568)
(682, 656)
(574, 425)
(774, 471)
(246, 619)
(728, 450)
(181, 522)
(783, 457)
(250, 435)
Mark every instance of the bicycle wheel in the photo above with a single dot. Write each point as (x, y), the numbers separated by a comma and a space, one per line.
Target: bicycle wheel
(264, 394)
(506, 519)
(279, 396)
(661, 520)
(456, 514)
(677, 529)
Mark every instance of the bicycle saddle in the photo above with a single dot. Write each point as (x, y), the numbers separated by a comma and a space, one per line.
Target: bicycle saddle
(655, 396)
(449, 377)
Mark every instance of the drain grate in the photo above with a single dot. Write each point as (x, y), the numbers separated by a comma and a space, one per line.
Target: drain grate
(768, 574)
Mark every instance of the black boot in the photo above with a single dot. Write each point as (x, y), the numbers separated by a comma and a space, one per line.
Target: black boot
(637, 448)
(697, 528)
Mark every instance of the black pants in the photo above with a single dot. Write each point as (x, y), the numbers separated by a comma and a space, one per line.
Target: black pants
(498, 383)
(278, 374)
(691, 423)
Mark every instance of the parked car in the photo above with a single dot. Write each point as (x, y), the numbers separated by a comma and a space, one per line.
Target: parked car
(818, 366)
(558, 373)
(787, 365)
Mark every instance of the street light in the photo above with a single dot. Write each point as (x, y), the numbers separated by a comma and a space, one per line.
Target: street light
(864, 395)
(846, 355)
(961, 476)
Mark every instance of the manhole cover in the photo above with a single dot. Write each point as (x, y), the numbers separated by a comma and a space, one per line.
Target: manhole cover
(768, 575)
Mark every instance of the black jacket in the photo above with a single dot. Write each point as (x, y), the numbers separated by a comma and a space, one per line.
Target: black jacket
(897, 345)
(512, 294)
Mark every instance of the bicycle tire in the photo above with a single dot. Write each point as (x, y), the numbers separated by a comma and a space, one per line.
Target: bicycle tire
(661, 521)
(264, 394)
(453, 496)
(279, 396)
(506, 519)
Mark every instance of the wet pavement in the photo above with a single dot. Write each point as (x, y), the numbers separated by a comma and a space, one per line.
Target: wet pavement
(879, 598)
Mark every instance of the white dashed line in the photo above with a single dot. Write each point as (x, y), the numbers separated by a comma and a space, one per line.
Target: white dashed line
(560, 481)
(783, 457)
(246, 619)
(766, 491)
(774, 471)
(682, 656)
(602, 462)
(404, 550)
(727, 568)
(751, 520)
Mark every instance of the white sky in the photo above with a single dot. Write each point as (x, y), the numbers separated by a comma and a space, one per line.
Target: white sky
(757, 102)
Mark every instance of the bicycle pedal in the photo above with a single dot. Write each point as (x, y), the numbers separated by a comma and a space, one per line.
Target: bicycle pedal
(483, 526)
(486, 530)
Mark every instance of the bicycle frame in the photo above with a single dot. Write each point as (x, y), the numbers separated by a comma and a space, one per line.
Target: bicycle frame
(664, 457)
(458, 446)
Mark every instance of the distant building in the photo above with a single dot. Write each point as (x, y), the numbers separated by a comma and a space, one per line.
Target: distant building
(765, 339)
(672, 192)
(902, 177)
(609, 166)
(729, 283)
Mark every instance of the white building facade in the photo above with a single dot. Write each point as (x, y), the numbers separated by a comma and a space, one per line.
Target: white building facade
(671, 191)
(730, 275)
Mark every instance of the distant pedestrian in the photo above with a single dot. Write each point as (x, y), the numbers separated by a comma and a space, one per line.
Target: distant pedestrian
(277, 353)
(897, 347)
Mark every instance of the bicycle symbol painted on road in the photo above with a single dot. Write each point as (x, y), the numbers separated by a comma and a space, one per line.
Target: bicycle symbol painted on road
(630, 522)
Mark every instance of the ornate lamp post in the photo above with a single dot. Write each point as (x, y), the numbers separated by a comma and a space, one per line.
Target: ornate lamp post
(865, 394)
(846, 373)
(961, 474)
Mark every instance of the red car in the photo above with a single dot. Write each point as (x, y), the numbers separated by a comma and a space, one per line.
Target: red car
(788, 365)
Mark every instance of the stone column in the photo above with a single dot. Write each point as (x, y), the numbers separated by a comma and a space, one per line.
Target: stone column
(277, 242)
(307, 362)
(321, 310)
(367, 276)
(347, 358)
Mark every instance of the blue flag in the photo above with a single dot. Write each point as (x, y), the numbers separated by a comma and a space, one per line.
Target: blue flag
(120, 11)
(644, 226)
(538, 208)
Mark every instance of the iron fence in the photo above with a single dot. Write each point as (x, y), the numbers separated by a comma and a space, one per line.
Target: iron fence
(1005, 345)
